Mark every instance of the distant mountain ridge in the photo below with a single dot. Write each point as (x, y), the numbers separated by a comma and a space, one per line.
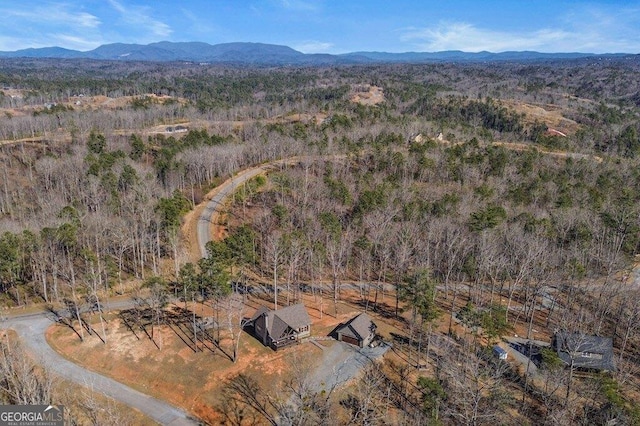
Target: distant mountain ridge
(271, 54)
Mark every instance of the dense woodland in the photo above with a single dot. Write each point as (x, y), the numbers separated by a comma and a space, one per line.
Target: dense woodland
(447, 191)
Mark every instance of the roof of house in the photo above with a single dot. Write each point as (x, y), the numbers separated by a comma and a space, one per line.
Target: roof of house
(294, 316)
(359, 327)
(587, 351)
(261, 310)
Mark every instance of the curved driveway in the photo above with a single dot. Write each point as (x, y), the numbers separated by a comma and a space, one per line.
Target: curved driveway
(31, 329)
(215, 203)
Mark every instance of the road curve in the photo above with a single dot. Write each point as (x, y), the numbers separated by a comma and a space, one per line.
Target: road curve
(215, 203)
(31, 329)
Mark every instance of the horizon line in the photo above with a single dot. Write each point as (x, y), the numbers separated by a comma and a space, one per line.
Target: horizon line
(327, 53)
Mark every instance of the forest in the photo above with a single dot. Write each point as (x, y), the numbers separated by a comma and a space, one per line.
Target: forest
(472, 203)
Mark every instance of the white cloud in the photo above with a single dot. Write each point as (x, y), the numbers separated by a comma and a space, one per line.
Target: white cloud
(592, 31)
(140, 16)
(54, 14)
(602, 29)
(313, 47)
(469, 38)
(117, 6)
(88, 20)
(160, 28)
(197, 24)
(14, 43)
(82, 19)
(26, 25)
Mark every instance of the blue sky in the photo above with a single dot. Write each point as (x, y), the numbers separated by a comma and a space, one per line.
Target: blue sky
(329, 26)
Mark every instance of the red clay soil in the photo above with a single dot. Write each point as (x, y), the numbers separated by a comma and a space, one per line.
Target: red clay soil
(192, 380)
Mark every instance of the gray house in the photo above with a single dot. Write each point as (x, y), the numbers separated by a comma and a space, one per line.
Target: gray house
(583, 351)
(359, 331)
(283, 327)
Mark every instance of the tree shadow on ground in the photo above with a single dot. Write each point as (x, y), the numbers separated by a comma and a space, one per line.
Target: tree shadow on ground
(181, 322)
(65, 320)
(383, 309)
(139, 318)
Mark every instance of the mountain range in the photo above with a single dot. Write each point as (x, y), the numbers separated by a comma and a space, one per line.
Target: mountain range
(270, 54)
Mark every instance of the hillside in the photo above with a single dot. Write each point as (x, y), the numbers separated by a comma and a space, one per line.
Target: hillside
(459, 203)
(269, 54)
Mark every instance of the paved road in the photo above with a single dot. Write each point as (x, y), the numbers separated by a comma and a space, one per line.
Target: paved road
(215, 204)
(31, 329)
(340, 362)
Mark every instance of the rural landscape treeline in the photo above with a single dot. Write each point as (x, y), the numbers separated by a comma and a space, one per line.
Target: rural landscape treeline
(459, 202)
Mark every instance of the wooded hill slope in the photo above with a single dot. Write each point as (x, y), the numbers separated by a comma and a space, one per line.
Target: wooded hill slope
(450, 174)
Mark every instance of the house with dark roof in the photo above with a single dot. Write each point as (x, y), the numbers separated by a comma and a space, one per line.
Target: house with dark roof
(358, 331)
(584, 352)
(283, 327)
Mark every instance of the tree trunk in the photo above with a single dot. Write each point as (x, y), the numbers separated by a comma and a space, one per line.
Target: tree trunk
(275, 286)
(195, 327)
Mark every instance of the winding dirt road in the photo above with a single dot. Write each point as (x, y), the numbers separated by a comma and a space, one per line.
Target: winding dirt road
(207, 212)
(214, 205)
(31, 329)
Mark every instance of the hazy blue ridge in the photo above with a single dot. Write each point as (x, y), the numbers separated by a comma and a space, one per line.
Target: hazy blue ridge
(270, 54)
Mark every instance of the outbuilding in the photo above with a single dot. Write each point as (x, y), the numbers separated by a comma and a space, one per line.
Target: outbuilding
(358, 331)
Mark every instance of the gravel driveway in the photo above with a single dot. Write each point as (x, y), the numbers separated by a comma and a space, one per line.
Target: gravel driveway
(214, 205)
(31, 329)
(341, 362)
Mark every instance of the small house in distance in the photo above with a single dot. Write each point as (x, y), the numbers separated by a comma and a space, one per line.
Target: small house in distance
(175, 129)
(583, 351)
(283, 327)
(358, 331)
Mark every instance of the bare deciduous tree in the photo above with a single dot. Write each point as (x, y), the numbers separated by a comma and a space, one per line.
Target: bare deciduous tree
(22, 382)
